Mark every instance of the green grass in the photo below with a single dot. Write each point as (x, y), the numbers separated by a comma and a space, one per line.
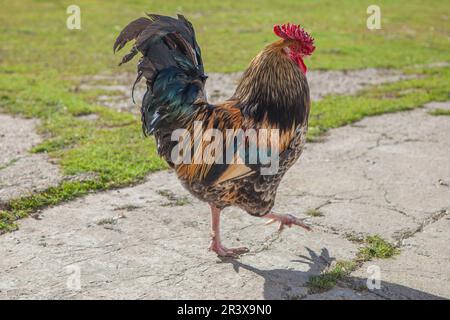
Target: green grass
(327, 280)
(34, 36)
(314, 213)
(336, 111)
(374, 246)
(440, 112)
(111, 148)
(41, 60)
(19, 208)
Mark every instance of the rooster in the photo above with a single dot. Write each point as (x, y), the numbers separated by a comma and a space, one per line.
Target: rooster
(273, 94)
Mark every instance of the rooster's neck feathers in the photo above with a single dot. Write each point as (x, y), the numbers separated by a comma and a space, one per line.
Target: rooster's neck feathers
(274, 90)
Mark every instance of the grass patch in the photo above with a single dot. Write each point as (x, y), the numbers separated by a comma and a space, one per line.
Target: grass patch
(327, 280)
(20, 208)
(376, 247)
(440, 112)
(110, 148)
(64, 192)
(8, 220)
(336, 111)
(230, 33)
(314, 213)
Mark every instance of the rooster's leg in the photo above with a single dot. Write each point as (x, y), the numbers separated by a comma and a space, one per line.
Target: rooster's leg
(285, 220)
(216, 244)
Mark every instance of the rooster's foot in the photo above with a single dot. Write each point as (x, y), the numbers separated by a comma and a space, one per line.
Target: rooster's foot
(224, 251)
(286, 220)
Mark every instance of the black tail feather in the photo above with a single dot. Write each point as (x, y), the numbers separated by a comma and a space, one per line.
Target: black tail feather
(157, 37)
(172, 65)
(131, 32)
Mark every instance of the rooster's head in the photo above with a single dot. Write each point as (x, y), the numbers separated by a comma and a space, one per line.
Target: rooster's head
(300, 43)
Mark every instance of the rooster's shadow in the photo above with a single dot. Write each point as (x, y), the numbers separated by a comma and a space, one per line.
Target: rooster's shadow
(292, 284)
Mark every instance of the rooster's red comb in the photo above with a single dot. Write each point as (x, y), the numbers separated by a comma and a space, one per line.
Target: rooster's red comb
(295, 32)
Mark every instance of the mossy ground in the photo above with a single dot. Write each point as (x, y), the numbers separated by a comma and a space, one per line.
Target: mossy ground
(440, 112)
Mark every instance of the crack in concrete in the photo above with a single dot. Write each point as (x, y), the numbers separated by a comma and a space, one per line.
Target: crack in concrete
(433, 218)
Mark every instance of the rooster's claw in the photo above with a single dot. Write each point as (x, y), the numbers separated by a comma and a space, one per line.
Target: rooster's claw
(286, 220)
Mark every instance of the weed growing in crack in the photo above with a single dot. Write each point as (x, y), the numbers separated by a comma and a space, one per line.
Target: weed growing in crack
(104, 221)
(376, 247)
(174, 200)
(327, 280)
(128, 207)
(354, 237)
(314, 213)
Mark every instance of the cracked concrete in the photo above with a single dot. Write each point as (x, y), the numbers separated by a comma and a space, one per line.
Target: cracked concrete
(386, 175)
(424, 261)
(22, 173)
